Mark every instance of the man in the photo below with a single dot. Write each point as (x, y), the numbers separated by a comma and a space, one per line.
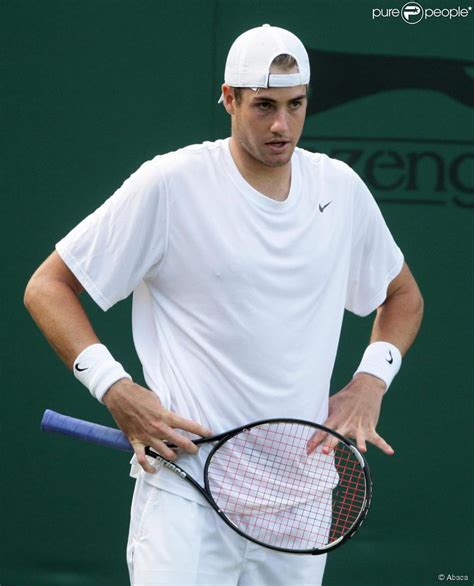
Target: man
(242, 255)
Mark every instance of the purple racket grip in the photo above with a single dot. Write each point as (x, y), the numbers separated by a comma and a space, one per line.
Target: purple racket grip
(85, 431)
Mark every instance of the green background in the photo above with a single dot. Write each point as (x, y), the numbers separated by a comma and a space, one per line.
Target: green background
(91, 89)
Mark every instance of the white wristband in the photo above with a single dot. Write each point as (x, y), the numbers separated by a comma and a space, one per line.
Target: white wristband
(96, 369)
(382, 360)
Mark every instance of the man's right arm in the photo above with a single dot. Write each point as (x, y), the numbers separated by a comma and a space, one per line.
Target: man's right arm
(52, 298)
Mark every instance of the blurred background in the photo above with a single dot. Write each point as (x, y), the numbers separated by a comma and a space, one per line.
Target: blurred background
(93, 88)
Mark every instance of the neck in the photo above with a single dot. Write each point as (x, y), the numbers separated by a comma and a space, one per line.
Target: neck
(273, 182)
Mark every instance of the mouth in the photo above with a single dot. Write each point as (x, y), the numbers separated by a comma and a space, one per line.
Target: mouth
(278, 146)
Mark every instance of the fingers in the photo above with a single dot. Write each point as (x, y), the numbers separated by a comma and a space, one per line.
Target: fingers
(316, 440)
(361, 445)
(141, 416)
(329, 441)
(164, 433)
(139, 450)
(168, 437)
(320, 437)
(158, 446)
(375, 439)
(177, 440)
(174, 420)
(380, 443)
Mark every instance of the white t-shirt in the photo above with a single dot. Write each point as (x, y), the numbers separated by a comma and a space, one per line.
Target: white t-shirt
(238, 299)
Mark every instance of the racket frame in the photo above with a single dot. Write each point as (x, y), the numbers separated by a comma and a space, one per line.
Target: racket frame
(118, 440)
(222, 438)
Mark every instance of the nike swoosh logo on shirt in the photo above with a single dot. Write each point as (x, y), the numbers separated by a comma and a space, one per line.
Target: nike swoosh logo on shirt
(322, 208)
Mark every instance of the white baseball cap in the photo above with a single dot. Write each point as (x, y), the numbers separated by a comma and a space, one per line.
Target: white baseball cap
(252, 53)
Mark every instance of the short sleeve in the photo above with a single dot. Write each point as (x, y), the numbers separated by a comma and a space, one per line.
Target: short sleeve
(123, 241)
(375, 258)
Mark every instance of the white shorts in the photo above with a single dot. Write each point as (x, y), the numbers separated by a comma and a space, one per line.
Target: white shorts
(174, 541)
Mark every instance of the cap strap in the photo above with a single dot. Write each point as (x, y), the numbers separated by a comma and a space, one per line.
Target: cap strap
(289, 80)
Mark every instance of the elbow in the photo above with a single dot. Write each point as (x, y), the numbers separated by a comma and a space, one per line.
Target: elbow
(418, 303)
(421, 309)
(39, 287)
(415, 306)
(32, 293)
(421, 305)
(50, 279)
(407, 302)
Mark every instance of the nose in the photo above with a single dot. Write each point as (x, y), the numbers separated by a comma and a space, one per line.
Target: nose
(280, 122)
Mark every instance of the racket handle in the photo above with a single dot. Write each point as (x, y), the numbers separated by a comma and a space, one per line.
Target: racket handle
(85, 431)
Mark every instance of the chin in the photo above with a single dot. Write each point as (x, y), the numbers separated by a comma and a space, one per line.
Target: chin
(280, 161)
(276, 163)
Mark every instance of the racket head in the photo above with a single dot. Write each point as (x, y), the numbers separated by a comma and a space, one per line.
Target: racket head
(264, 485)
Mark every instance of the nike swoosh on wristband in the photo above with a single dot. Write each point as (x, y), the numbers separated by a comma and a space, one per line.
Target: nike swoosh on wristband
(80, 369)
(322, 208)
(391, 357)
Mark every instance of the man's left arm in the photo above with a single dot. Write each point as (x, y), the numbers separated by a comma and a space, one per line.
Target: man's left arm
(354, 411)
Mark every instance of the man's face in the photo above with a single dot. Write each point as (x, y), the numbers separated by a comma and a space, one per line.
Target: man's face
(267, 123)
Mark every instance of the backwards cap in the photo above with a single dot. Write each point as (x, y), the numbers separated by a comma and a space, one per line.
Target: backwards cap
(252, 53)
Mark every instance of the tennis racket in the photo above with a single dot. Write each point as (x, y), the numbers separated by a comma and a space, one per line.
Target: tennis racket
(260, 479)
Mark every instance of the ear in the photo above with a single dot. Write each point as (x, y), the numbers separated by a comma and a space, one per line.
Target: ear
(229, 98)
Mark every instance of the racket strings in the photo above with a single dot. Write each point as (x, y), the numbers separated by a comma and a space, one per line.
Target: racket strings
(349, 498)
(272, 490)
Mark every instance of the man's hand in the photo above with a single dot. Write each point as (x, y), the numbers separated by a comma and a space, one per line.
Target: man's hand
(141, 416)
(354, 412)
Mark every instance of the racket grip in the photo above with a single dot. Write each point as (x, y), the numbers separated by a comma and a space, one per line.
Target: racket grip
(85, 431)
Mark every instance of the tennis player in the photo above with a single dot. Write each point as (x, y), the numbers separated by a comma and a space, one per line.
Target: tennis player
(242, 255)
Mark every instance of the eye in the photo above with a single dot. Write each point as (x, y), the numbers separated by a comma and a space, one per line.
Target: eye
(264, 106)
(295, 104)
